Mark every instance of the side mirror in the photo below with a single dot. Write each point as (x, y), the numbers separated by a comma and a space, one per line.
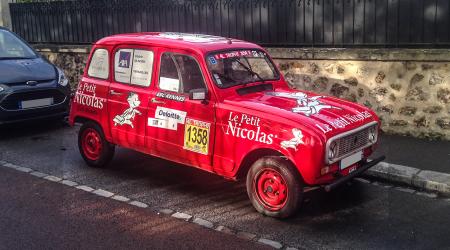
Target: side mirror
(198, 94)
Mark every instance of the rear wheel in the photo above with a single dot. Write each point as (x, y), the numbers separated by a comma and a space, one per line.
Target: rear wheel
(274, 187)
(94, 148)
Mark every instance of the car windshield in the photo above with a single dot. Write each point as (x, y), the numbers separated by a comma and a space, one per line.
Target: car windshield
(12, 47)
(236, 67)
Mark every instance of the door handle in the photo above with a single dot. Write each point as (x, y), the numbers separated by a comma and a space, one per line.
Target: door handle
(112, 92)
(154, 100)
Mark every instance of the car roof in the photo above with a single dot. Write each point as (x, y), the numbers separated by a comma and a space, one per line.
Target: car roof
(199, 42)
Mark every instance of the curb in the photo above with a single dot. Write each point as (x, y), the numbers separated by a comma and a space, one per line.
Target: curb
(414, 177)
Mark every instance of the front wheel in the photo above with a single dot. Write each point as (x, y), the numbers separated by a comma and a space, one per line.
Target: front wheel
(274, 187)
(94, 148)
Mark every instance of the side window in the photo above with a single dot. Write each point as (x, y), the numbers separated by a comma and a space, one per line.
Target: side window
(99, 65)
(133, 66)
(180, 73)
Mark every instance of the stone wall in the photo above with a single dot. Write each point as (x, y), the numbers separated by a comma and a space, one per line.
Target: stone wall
(409, 89)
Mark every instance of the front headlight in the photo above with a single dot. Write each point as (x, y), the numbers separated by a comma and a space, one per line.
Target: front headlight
(62, 80)
(332, 150)
(373, 134)
(1, 89)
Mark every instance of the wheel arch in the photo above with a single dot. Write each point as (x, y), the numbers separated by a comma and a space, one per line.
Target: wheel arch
(256, 154)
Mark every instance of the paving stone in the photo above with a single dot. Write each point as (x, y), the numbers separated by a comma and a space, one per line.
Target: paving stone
(120, 198)
(224, 229)
(274, 244)
(426, 194)
(245, 235)
(10, 165)
(182, 216)
(85, 188)
(38, 174)
(393, 172)
(166, 211)
(138, 204)
(291, 248)
(203, 223)
(24, 169)
(431, 180)
(69, 183)
(406, 190)
(52, 178)
(103, 193)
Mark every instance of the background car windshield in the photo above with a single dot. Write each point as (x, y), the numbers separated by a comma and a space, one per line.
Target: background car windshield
(230, 68)
(11, 47)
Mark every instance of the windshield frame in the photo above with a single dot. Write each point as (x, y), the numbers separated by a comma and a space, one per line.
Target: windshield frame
(277, 74)
(24, 43)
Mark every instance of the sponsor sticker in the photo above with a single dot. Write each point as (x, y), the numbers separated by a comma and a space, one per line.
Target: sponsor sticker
(196, 136)
(212, 60)
(170, 114)
(160, 123)
(170, 96)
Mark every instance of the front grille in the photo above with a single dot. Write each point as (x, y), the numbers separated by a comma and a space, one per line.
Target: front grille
(353, 142)
(11, 102)
(344, 145)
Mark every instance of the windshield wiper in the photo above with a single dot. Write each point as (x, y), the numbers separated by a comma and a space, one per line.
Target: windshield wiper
(249, 70)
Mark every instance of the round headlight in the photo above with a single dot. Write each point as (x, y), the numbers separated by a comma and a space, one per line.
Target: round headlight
(332, 150)
(373, 134)
(1, 89)
(62, 80)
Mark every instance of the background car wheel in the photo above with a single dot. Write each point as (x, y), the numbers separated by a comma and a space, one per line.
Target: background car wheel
(94, 148)
(274, 187)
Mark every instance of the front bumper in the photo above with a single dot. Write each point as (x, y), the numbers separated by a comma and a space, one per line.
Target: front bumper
(10, 113)
(354, 174)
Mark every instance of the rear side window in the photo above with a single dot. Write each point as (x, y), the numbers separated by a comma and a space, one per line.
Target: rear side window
(180, 73)
(99, 66)
(133, 66)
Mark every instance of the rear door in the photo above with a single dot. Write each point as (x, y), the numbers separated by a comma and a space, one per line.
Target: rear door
(182, 129)
(129, 94)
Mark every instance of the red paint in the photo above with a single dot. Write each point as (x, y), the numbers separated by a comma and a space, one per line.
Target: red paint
(238, 124)
(271, 189)
(91, 144)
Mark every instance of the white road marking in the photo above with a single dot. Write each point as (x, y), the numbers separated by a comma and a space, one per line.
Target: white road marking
(103, 193)
(52, 178)
(85, 188)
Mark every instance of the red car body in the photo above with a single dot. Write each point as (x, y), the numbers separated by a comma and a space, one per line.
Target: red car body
(234, 126)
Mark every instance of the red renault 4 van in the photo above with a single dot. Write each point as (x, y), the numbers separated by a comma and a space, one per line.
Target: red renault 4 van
(220, 105)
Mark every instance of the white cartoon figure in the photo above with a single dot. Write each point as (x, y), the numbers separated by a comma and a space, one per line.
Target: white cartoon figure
(306, 105)
(128, 115)
(294, 142)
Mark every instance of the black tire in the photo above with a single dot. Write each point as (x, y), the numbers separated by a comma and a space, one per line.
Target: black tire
(102, 156)
(280, 176)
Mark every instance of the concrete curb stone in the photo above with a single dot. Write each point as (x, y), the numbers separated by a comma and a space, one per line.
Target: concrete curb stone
(414, 177)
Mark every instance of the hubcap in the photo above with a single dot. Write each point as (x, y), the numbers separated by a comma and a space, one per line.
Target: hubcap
(271, 189)
(91, 144)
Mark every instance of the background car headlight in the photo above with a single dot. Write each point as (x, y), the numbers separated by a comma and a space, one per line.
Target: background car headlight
(1, 89)
(332, 150)
(62, 80)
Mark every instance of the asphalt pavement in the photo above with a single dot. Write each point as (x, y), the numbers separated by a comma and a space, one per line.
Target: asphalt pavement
(358, 216)
(39, 214)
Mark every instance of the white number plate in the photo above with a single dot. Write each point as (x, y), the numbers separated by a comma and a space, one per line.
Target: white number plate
(350, 160)
(36, 103)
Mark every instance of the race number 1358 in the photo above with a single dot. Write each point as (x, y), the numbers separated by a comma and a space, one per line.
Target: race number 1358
(196, 136)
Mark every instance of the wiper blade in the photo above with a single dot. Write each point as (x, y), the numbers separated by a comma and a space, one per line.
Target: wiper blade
(249, 70)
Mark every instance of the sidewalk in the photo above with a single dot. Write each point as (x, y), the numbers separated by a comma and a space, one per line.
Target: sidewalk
(414, 162)
(416, 153)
